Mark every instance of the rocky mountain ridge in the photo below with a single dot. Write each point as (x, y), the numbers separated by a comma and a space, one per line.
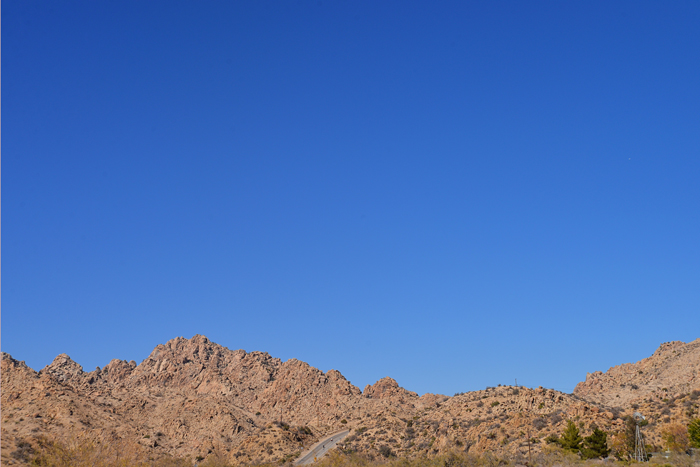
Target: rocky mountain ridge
(193, 397)
(673, 369)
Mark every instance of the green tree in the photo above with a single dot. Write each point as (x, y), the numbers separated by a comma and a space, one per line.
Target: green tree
(595, 445)
(571, 438)
(630, 436)
(694, 433)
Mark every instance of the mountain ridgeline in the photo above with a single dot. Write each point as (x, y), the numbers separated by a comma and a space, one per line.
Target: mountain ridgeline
(195, 398)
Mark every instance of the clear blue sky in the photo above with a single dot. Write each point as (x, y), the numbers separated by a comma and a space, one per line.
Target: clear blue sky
(454, 194)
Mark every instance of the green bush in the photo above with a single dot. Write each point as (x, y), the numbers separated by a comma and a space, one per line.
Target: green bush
(596, 445)
(694, 433)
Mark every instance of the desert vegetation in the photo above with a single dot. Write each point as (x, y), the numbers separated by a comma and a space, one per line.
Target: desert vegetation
(90, 452)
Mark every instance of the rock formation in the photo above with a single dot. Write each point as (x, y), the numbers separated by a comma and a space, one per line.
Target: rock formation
(673, 369)
(194, 398)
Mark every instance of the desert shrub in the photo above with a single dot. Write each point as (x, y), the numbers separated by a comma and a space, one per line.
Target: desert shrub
(694, 433)
(624, 442)
(675, 438)
(539, 423)
(94, 452)
(494, 403)
(616, 413)
(555, 418)
(386, 451)
(303, 430)
(215, 459)
(24, 451)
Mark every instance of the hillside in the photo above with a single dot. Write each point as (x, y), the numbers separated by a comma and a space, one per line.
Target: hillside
(192, 398)
(672, 370)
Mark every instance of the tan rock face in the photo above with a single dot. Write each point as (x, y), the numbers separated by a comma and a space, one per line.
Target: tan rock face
(387, 388)
(192, 397)
(63, 369)
(673, 369)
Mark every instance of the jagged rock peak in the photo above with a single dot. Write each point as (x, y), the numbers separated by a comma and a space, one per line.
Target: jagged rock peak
(387, 388)
(671, 346)
(63, 368)
(7, 359)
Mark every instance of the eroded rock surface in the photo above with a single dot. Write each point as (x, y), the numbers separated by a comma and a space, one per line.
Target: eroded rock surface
(195, 398)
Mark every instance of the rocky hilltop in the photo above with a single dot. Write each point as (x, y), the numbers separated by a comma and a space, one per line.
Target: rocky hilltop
(194, 398)
(672, 370)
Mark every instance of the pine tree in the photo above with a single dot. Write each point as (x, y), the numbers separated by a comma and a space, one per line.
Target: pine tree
(694, 433)
(571, 439)
(595, 445)
(630, 435)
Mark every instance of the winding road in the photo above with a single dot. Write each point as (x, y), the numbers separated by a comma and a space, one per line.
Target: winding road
(320, 449)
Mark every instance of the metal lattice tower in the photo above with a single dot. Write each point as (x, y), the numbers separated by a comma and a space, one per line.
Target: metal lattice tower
(640, 452)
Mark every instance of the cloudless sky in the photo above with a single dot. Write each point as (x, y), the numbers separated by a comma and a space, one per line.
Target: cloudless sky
(453, 194)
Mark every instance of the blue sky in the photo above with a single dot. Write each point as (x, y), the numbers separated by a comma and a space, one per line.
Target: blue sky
(454, 194)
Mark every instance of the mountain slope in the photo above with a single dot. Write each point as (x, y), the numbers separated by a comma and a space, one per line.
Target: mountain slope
(673, 369)
(194, 398)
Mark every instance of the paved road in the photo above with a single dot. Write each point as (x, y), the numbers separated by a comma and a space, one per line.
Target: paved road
(320, 449)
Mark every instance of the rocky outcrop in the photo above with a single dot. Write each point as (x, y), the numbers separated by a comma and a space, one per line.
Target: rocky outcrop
(195, 398)
(387, 388)
(63, 369)
(192, 393)
(673, 369)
